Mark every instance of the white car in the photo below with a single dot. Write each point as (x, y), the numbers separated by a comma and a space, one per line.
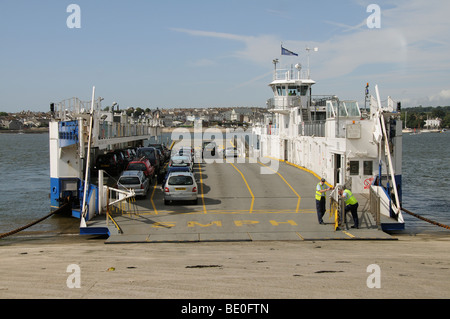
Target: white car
(231, 152)
(181, 161)
(135, 180)
(180, 186)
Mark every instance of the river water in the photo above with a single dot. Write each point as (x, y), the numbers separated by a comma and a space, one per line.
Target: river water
(25, 183)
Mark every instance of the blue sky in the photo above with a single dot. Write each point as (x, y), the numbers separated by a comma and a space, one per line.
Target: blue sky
(214, 53)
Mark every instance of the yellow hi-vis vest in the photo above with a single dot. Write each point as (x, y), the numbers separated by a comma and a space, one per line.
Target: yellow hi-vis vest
(350, 199)
(319, 187)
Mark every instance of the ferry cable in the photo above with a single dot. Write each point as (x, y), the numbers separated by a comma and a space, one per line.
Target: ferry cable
(425, 219)
(60, 209)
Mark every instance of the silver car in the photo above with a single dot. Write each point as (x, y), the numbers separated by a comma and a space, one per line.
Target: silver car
(181, 186)
(135, 180)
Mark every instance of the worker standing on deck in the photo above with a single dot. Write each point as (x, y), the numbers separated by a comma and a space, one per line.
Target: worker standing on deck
(351, 204)
(320, 199)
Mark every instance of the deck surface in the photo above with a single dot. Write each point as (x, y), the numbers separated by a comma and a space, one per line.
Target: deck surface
(238, 201)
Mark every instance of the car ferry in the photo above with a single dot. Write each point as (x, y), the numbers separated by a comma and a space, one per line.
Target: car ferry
(356, 148)
(79, 132)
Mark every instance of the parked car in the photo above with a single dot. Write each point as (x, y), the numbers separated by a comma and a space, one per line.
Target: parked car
(152, 155)
(135, 180)
(172, 169)
(180, 186)
(186, 150)
(121, 159)
(143, 165)
(130, 154)
(181, 161)
(209, 149)
(163, 149)
(109, 163)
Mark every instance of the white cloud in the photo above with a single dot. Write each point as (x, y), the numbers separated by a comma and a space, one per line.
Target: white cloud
(442, 98)
(410, 51)
(258, 49)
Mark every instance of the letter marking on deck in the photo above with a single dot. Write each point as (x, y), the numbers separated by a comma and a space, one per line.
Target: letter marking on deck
(291, 222)
(218, 223)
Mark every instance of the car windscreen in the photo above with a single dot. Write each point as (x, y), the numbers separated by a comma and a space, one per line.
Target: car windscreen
(179, 162)
(157, 146)
(129, 180)
(149, 153)
(105, 159)
(181, 180)
(137, 167)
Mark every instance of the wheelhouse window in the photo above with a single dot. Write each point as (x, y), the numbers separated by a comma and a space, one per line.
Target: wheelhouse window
(281, 91)
(354, 167)
(303, 90)
(297, 90)
(368, 167)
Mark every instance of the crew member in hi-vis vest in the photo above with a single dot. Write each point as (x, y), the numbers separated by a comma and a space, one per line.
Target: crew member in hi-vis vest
(321, 190)
(351, 204)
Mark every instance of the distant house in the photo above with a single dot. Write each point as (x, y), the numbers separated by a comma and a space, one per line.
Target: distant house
(14, 125)
(433, 123)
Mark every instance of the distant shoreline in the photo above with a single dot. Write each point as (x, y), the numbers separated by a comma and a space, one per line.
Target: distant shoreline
(27, 131)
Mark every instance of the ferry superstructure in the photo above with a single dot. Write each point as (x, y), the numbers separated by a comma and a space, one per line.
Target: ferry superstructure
(360, 149)
(78, 132)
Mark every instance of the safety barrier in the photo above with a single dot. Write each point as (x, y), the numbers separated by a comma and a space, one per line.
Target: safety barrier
(118, 202)
(375, 209)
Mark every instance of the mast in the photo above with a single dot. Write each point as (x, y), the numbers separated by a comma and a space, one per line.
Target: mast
(88, 158)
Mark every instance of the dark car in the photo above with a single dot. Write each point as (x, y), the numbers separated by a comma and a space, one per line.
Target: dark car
(122, 160)
(130, 154)
(109, 163)
(164, 151)
(151, 154)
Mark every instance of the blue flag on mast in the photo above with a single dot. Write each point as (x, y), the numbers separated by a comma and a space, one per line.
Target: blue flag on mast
(287, 52)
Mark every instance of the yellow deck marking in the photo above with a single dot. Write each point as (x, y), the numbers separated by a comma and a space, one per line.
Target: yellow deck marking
(298, 234)
(201, 187)
(151, 197)
(299, 198)
(348, 234)
(248, 187)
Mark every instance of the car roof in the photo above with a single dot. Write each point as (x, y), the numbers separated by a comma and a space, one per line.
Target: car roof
(131, 173)
(146, 161)
(146, 148)
(178, 168)
(181, 174)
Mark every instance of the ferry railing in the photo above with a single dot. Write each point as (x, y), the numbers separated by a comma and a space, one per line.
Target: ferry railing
(285, 102)
(375, 206)
(112, 130)
(316, 128)
(290, 74)
(119, 202)
(69, 108)
(321, 100)
(337, 209)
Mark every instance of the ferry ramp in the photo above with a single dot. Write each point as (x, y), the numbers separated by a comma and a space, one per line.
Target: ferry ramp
(238, 201)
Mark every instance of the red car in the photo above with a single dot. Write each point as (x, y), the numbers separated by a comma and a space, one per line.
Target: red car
(144, 165)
